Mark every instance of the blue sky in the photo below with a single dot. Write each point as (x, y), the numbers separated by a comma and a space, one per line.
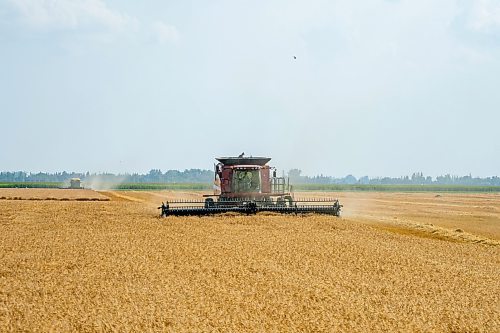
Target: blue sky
(379, 88)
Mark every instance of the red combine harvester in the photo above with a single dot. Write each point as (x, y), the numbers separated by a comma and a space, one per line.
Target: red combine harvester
(248, 185)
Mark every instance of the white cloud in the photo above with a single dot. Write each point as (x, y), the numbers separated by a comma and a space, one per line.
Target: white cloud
(93, 19)
(72, 14)
(164, 33)
(485, 15)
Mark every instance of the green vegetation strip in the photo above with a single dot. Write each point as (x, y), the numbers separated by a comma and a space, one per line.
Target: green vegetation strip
(163, 186)
(395, 188)
(299, 187)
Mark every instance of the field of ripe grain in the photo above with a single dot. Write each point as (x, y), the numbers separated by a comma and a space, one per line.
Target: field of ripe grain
(114, 266)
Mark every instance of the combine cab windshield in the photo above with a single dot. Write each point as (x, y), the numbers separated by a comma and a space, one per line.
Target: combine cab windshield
(246, 181)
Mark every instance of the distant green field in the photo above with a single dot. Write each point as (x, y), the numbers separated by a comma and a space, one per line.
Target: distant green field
(299, 187)
(163, 186)
(395, 188)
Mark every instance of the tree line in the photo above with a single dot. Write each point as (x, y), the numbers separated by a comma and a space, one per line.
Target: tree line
(417, 178)
(207, 176)
(153, 176)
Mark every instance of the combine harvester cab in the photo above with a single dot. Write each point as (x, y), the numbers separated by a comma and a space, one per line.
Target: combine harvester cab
(248, 185)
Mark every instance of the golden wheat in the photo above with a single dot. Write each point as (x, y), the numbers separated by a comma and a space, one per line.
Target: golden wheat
(115, 266)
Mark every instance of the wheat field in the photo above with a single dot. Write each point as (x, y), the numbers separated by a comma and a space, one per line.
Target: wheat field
(393, 262)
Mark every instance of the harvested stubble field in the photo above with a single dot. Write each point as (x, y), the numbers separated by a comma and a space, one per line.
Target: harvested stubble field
(50, 194)
(394, 262)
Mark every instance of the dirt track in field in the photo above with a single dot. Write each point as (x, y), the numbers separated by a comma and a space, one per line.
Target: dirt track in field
(393, 262)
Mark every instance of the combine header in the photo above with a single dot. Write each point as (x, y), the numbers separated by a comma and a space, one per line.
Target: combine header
(246, 185)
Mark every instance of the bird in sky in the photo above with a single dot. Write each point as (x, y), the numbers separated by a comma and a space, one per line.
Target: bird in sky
(294, 57)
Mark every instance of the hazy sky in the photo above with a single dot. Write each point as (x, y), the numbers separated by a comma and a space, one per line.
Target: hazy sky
(378, 87)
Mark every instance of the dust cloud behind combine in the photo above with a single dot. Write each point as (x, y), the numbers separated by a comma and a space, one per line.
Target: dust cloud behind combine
(102, 183)
(114, 265)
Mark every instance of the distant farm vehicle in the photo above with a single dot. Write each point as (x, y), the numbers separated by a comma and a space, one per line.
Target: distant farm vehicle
(75, 183)
(246, 185)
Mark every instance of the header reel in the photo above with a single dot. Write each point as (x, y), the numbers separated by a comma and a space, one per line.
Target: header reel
(245, 185)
